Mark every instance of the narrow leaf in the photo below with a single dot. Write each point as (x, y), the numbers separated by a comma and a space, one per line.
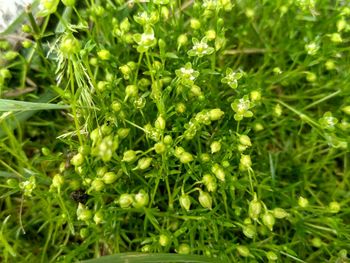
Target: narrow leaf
(14, 105)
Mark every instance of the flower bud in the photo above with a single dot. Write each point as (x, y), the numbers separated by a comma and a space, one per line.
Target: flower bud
(219, 172)
(245, 140)
(334, 207)
(123, 132)
(255, 95)
(160, 123)
(249, 231)
(57, 181)
(269, 220)
(109, 178)
(277, 111)
(303, 202)
(210, 34)
(83, 213)
(116, 106)
(215, 147)
(279, 213)
(131, 91)
(141, 199)
(316, 242)
(245, 162)
(195, 24)
(215, 114)
(185, 202)
(12, 182)
(104, 54)
(69, 45)
(243, 251)
(254, 208)
(129, 156)
(182, 40)
(258, 127)
(346, 109)
(144, 163)
(84, 232)
(77, 159)
(164, 240)
(159, 147)
(125, 25)
(97, 185)
(205, 157)
(205, 199)
(98, 217)
(186, 157)
(168, 140)
(125, 200)
(271, 256)
(146, 248)
(183, 249)
(311, 77)
(336, 38)
(210, 182)
(180, 108)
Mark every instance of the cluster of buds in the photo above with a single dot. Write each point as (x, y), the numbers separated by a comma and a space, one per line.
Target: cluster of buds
(138, 200)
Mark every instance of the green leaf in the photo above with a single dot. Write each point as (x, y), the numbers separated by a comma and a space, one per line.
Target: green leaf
(14, 105)
(153, 258)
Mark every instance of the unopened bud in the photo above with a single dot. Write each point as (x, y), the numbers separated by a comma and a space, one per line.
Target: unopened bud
(109, 178)
(254, 208)
(141, 199)
(185, 202)
(125, 200)
(98, 217)
(243, 251)
(77, 159)
(164, 240)
(303, 202)
(205, 199)
(218, 171)
(215, 147)
(215, 114)
(269, 220)
(144, 163)
(129, 156)
(186, 157)
(183, 249)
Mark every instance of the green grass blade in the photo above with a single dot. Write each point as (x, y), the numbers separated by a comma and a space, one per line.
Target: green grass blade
(152, 258)
(14, 105)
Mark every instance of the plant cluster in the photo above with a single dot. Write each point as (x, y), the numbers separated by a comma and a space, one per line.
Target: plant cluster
(215, 127)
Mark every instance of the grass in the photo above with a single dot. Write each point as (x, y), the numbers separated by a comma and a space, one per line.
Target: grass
(193, 128)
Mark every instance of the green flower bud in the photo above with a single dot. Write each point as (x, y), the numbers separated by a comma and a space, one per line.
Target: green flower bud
(144, 163)
(125, 25)
(27, 43)
(141, 199)
(97, 185)
(243, 251)
(104, 54)
(26, 28)
(178, 151)
(116, 106)
(129, 156)
(168, 140)
(330, 65)
(249, 231)
(346, 110)
(185, 202)
(182, 40)
(183, 249)
(102, 86)
(57, 181)
(101, 171)
(131, 91)
(205, 199)
(164, 240)
(311, 77)
(83, 213)
(215, 114)
(77, 159)
(180, 108)
(255, 95)
(258, 127)
(12, 182)
(271, 256)
(160, 123)
(205, 157)
(269, 220)
(210, 182)
(215, 147)
(186, 157)
(336, 38)
(245, 140)
(316, 242)
(125, 200)
(245, 162)
(303, 202)
(84, 150)
(219, 172)
(334, 207)
(277, 111)
(279, 213)
(98, 217)
(195, 24)
(69, 45)
(123, 132)
(96, 135)
(254, 208)
(110, 177)
(160, 147)
(84, 233)
(146, 248)
(210, 34)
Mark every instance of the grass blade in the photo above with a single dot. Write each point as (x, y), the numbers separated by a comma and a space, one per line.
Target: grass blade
(14, 105)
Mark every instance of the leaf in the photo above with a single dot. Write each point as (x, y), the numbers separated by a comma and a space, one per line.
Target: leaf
(14, 105)
(152, 258)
